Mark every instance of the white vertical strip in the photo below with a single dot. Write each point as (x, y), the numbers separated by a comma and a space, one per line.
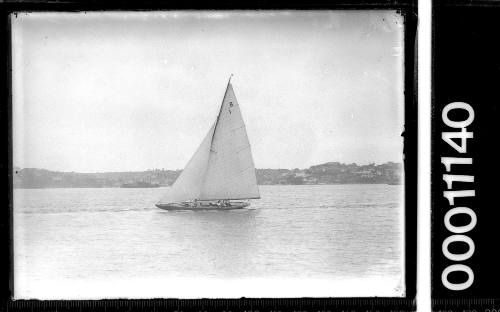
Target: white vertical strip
(17, 91)
(18, 156)
(424, 157)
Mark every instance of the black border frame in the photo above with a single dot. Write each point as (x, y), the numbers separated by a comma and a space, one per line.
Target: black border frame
(408, 8)
(470, 74)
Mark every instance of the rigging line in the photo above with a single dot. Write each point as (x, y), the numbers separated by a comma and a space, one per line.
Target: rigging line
(243, 148)
(245, 169)
(237, 128)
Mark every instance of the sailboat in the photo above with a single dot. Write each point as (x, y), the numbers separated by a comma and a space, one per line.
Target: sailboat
(221, 173)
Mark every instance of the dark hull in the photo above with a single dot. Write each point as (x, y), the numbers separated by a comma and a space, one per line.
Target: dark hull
(202, 207)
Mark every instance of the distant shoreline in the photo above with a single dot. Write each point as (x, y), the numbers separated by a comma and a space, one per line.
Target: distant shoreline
(117, 187)
(330, 173)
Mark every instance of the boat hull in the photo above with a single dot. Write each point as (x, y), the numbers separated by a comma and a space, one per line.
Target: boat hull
(202, 207)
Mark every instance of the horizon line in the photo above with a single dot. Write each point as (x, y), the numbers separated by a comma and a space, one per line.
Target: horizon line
(153, 169)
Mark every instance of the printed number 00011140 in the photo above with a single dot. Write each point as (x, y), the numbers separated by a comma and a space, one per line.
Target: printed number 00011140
(458, 232)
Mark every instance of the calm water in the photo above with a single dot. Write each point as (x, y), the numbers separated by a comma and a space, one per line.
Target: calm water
(69, 240)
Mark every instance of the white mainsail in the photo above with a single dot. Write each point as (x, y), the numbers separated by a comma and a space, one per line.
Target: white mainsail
(222, 166)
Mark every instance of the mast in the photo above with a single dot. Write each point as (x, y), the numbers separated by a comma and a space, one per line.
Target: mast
(221, 105)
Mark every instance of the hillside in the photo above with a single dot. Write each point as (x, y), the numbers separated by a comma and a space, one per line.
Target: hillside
(328, 173)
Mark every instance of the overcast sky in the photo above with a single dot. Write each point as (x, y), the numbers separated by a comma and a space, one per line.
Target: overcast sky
(135, 91)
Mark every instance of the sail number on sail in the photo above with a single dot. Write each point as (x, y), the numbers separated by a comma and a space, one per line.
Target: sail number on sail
(458, 116)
